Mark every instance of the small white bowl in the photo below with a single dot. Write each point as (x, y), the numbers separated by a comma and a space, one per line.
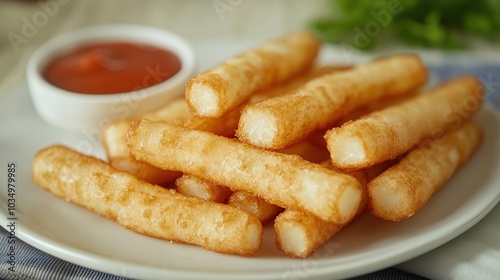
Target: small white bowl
(77, 111)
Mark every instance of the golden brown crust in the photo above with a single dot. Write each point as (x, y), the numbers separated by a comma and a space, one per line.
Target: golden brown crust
(219, 90)
(390, 132)
(190, 185)
(173, 112)
(308, 151)
(284, 180)
(113, 138)
(296, 82)
(264, 210)
(284, 120)
(227, 124)
(114, 141)
(298, 234)
(224, 126)
(145, 208)
(375, 106)
(405, 188)
(144, 171)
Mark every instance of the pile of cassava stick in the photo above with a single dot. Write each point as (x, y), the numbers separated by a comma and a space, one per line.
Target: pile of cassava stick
(268, 137)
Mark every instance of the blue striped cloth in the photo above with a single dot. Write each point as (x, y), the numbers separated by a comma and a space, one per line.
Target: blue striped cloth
(487, 73)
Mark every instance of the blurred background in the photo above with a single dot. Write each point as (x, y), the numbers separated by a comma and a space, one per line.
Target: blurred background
(351, 26)
(25, 25)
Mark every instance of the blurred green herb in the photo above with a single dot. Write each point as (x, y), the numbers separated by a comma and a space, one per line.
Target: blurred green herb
(428, 23)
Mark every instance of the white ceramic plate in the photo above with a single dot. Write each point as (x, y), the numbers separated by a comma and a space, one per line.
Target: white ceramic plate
(78, 236)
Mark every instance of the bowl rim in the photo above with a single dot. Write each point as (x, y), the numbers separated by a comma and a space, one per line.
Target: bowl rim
(141, 34)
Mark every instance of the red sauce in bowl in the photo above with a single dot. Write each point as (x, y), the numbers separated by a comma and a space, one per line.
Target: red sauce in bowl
(114, 67)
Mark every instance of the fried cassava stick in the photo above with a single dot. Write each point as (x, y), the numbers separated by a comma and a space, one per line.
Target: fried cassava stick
(287, 181)
(113, 140)
(190, 185)
(406, 187)
(299, 233)
(216, 91)
(390, 132)
(145, 208)
(281, 121)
